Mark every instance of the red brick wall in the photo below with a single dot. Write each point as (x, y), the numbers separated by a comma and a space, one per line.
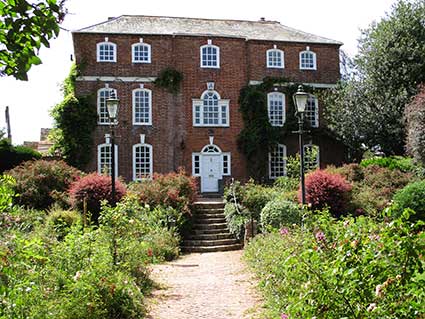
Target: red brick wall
(172, 134)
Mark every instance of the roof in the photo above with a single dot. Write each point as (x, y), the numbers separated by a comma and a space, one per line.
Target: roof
(250, 30)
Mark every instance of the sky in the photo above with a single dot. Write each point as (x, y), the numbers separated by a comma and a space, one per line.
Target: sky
(29, 102)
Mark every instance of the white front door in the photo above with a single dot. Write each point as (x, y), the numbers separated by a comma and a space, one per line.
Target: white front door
(210, 173)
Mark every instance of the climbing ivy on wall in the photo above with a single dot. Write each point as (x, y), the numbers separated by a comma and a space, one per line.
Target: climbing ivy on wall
(75, 119)
(169, 79)
(258, 136)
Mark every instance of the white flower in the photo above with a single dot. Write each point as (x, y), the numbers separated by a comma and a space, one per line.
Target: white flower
(28, 289)
(77, 275)
(378, 290)
(371, 307)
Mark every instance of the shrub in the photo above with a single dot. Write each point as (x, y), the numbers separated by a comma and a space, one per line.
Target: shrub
(256, 196)
(412, 196)
(327, 190)
(176, 190)
(352, 172)
(59, 222)
(37, 182)
(414, 114)
(6, 192)
(352, 268)
(12, 156)
(278, 213)
(94, 188)
(236, 218)
(403, 164)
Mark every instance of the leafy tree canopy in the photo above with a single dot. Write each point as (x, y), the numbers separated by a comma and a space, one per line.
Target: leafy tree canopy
(415, 118)
(367, 107)
(24, 27)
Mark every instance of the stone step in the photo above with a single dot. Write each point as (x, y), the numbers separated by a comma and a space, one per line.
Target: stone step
(204, 221)
(216, 242)
(213, 231)
(209, 211)
(207, 216)
(210, 226)
(207, 249)
(208, 205)
(210, 236)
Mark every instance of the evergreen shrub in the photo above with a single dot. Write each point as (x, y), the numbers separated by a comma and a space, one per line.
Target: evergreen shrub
(412, 196)
(278, 213)
(11, 156)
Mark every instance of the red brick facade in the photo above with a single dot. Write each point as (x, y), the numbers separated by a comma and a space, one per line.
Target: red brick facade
(172, 134)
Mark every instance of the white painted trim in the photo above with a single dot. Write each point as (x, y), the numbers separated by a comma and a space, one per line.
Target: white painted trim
(285, 161)
(283, 106)
(141, 44)
(228, 154)
(314, 60)
(95, 78)
(218, 57)
(200, 103)
(316, 113)
(98, 51)
(133, 106)
(193, 164)
(99, 146)
(150, 160)
(315, 85)
(108, 89)
(282, 56)
(207, 153)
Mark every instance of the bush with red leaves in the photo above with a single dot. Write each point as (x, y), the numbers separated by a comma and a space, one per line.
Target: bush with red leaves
(324, 189)
(95, 188)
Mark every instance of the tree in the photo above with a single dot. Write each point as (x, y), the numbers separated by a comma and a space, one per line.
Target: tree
(24, 27)
(415, 125)
(367, 107)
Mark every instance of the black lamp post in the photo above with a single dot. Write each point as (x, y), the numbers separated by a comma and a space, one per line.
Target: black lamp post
(112, 104)
(300, 101)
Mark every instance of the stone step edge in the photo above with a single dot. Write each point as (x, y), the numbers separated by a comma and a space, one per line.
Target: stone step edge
(206, 249)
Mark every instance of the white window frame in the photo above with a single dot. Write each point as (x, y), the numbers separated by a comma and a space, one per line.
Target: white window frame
(269, 99)
(282, 58)
(229, 156)
(202, 62)
(133, 53)
(134, 106)
(200, 103)
(310, 117)
(99, 165)
(101, 116)
(149, 146)
(193, 164)
(314, 60)
(272, 175)
(98, 46)
(306, 146)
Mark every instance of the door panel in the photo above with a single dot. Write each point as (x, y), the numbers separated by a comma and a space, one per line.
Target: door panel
(210, 173)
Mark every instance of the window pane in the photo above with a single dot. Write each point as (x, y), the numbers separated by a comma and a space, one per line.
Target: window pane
(277, 161)
(276, 108)
(142, 162)
(141, 104)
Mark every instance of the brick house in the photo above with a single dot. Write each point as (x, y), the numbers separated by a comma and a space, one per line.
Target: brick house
(196, 128)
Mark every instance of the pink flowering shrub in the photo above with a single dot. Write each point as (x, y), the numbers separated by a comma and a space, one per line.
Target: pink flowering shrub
(349, 268)
(95, 188)
(325, 189)
(176, 190)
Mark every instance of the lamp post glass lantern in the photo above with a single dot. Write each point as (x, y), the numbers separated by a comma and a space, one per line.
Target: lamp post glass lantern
(112, 104)
(300, 101)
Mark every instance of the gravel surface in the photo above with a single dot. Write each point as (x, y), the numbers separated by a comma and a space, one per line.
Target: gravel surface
(209, 285)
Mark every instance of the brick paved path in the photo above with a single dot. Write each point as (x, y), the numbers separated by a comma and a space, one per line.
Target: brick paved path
(210, 285)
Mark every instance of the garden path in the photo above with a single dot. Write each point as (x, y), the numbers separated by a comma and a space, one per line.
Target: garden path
(210, 285)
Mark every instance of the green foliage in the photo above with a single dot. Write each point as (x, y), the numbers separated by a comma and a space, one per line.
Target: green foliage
(279, 212)
(175, 189)
(75, 119)
(7, 192)
(11, 156)
(39, 182)
(26, 26)
(258, 136)
(414, 114)
(59, 221)
(404, 164)
(412, 196)
(169, 79)
(352, 268)
(96, 272)
(368, 107)
(236, 218)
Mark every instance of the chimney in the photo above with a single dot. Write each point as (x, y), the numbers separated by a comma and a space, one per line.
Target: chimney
(262, 19)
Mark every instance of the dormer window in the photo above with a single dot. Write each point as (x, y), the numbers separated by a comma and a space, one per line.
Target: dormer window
(275, 58)
(210, 55)
(141, 53)
(106, 51)
(307, 60)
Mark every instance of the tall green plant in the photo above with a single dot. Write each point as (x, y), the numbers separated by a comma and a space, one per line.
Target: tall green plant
(75, 119)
